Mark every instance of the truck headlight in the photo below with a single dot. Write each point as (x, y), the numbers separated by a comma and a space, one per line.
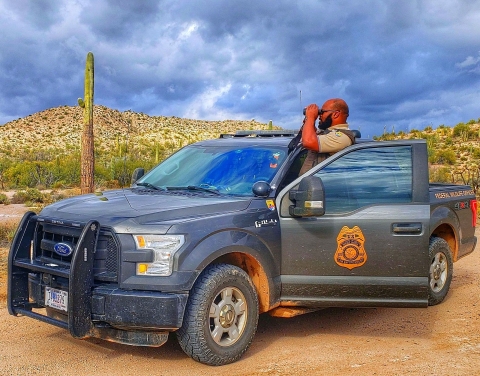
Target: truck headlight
(164, 248)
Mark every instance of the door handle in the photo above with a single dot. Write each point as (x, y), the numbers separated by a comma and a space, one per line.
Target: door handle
(407, 228)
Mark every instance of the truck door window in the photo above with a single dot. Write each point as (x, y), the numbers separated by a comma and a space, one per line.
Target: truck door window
(370, 176)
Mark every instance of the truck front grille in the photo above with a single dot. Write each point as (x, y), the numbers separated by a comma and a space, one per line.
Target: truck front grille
(106, 253)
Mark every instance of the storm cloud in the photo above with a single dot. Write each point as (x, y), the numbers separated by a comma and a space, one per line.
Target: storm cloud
(400, 64)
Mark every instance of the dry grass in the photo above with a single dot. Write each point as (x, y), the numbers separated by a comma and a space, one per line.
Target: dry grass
(3, 260)
(3, 276)
(7, 231)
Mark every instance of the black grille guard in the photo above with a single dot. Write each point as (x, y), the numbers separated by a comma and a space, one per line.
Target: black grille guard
(79, 275)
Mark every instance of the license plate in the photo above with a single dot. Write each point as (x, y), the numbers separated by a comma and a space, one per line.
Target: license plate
(56, 298)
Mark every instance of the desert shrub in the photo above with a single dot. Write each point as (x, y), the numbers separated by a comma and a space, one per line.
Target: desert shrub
(59, 184)
(28, 196)
(440, 175)
(55, 196)
(459, 128)
(72, 192)
(444, 156)
(476, 153)
(388, 136)
(111, 184)
(4, 199)
(18, 175)
(432, 140)
(463, 131)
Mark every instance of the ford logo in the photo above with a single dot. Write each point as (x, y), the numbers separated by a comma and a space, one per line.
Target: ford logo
(63, 249)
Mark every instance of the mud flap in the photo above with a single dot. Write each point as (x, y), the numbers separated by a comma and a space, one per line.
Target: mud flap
(81, 282)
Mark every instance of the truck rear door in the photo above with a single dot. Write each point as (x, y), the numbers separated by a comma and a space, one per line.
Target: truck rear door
(370, 248)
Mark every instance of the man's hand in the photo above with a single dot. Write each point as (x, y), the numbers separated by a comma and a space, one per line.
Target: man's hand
(309, 135)
(312, 111)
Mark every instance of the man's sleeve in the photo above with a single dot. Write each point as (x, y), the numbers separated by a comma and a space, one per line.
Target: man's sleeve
(333, 142)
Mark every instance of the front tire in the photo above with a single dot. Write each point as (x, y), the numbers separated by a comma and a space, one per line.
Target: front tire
(221, 316)
(441, 270)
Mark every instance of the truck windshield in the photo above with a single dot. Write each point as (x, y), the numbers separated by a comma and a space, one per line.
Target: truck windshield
(226, 170)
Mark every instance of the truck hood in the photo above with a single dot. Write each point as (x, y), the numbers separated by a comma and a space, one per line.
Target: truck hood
(140, 206)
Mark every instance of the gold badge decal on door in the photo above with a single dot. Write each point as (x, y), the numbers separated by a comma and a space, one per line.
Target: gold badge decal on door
(350, 251)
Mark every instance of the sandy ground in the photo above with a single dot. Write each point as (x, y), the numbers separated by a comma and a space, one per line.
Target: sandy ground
(12, 212)
(440, 340)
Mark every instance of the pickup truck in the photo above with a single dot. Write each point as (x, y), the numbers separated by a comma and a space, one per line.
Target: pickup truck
(226, 229)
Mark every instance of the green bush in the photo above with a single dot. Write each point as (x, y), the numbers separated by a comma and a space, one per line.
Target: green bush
(463, 131)
(476, 153)
(4, 199)
(28, 196)
(440, 175)
(445, 156)
(459, 128)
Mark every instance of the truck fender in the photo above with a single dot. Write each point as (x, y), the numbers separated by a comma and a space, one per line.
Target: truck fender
(244, 250)
(444, 223)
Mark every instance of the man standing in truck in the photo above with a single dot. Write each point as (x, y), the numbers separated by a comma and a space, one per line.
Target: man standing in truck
(333, 133)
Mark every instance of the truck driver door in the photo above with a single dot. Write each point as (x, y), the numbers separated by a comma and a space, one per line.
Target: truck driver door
(372, 242)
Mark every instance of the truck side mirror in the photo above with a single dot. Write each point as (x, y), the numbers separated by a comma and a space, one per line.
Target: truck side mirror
(137, 174)
(308, 199)
(261, 189)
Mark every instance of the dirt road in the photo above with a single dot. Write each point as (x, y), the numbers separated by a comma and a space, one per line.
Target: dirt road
(440, 340)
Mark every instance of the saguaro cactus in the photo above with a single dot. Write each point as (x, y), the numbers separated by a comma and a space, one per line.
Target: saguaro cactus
(87, 156)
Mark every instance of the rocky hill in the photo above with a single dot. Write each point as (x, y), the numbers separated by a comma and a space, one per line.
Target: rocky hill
(60, 129)
(454, 152)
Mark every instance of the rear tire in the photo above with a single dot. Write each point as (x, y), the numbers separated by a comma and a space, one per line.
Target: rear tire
(221, 316)
(441, 270)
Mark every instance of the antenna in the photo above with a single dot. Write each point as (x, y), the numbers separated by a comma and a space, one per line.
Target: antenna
(301, 106)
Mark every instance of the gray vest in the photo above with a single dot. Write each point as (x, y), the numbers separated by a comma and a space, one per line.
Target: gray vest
(313, 158)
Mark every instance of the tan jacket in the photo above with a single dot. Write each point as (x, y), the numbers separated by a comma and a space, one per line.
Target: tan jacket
(333, 140)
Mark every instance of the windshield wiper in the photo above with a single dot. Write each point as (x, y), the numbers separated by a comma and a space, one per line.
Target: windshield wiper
(149, 185)
(194, 188)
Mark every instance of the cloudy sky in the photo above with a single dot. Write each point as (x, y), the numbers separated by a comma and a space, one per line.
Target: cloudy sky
(399, 64)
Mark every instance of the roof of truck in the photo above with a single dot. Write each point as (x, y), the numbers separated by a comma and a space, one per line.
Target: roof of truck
(255, 137)
(280, 138)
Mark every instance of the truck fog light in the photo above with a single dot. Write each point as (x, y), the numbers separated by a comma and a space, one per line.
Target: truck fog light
(164, 248)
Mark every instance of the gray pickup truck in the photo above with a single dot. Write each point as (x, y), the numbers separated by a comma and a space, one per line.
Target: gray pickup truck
(226, 229)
